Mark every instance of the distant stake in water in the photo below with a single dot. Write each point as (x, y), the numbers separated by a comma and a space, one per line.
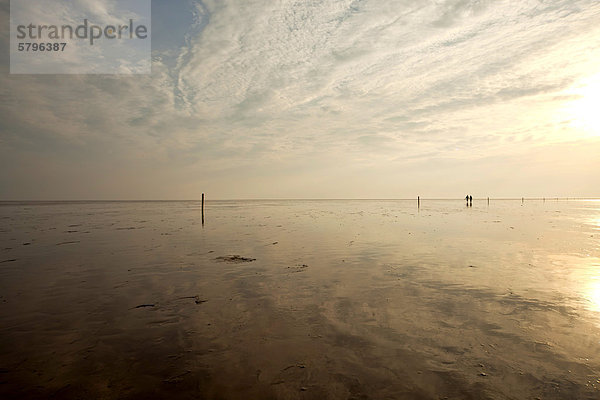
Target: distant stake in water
(418, 201)
(202, 208)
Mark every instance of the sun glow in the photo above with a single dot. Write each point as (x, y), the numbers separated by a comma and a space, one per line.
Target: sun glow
(584, 111)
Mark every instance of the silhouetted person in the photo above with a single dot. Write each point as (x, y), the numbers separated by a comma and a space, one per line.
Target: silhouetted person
(469, 200)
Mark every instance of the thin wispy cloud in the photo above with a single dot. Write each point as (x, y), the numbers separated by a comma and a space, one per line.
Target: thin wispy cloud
(318, 99)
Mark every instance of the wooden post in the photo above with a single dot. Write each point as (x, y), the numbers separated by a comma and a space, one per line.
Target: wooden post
(202, 208)
(418, 201)
(488, 201)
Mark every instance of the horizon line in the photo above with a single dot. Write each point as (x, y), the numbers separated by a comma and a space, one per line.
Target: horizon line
(302, 199)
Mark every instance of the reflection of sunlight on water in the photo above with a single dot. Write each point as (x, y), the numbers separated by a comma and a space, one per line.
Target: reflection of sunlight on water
(594, 294)
(588, 280)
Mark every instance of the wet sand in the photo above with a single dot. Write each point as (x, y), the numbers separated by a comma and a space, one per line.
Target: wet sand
(300, 300)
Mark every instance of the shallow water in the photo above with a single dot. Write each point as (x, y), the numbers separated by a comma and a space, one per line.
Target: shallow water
(344, 300)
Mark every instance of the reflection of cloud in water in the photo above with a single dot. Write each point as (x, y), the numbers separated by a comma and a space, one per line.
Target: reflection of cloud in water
(447, 302)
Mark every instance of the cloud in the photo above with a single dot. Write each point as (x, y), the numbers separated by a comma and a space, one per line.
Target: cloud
(245, 90)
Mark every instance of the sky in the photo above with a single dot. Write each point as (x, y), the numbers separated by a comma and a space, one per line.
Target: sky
(320, 99)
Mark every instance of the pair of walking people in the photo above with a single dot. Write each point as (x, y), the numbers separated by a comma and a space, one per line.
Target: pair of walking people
(469, 200)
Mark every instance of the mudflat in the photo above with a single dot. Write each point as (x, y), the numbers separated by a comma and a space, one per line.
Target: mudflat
(336, 299)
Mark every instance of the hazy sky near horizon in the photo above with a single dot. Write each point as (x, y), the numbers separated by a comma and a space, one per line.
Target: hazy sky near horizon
(321, 99)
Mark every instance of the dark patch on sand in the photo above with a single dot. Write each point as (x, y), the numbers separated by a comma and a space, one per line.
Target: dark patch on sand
(235, 259)
(196, 299)
(145, 306)
(298, 268)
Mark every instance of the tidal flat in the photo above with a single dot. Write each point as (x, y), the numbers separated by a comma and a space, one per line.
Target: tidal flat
(300, 299)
